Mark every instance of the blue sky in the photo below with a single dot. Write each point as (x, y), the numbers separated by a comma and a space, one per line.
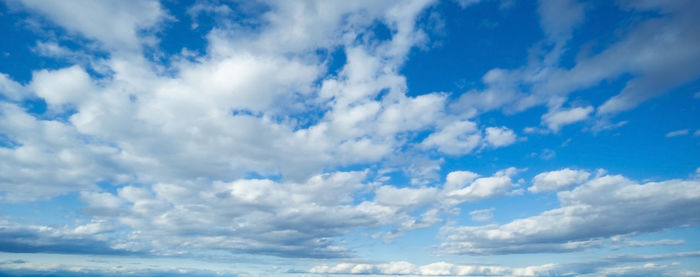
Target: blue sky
(344, 138)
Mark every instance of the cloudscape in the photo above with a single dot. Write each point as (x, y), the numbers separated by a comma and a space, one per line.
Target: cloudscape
(349, 138)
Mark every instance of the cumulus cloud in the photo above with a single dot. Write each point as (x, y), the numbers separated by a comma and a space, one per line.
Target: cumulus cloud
(64, 86)
(459, 188)
(257, 216)
(500, 136)
(180, 140)
(50, 158)
(115, 24)
(605, 206)
(459, 137)
(11, 89)
(556, 180)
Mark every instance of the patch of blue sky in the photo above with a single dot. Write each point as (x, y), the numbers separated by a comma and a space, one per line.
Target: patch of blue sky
(477, 39)
(63, 210)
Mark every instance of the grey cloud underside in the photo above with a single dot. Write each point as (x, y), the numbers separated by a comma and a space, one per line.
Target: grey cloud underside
(603, 207)
(260, 216)
(18, 239)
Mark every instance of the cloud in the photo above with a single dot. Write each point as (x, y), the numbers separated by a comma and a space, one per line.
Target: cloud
(555, 119)
(605, 266)
(654, 243)
(68, 268)
(50, 158)
(543, 81)
(391, 196)
(84, 239)
(500, 136)
(457, 138)
(11, 89)
(677, 133)
(556, 180)
(481, 215)
(287, 219)
(115, 24)
(603, 207)
(558, 18)
(434, 269)
(64, 86)
(654, 74)
(257, 216)
(259, 103)
(458, 189)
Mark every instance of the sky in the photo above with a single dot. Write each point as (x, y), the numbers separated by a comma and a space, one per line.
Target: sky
(347, 138)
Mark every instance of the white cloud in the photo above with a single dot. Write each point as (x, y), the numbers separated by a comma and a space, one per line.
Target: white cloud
(542, 81)
(677, 133)
(63, 86)
(391, 196)
(557, 180)
(559, 17)
(555, 119)
(257, 216)
(500, 136)
(433, 269)
(603, 207)
(116, 24)
(654, 243)
(485, 187)
(11, 89)
(50, 158)
(481, 215)
(457, 138)
(457, 179)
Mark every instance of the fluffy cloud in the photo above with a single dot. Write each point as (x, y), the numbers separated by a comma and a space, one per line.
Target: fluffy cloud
(49, 158)
(603, 207)
(263, 216)
(64, 86)
(252, 215)
(116, 24)
(457, 138)
(500, 136)
(11, 89)
(556, 180)
(557, 118)
(456, 191)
